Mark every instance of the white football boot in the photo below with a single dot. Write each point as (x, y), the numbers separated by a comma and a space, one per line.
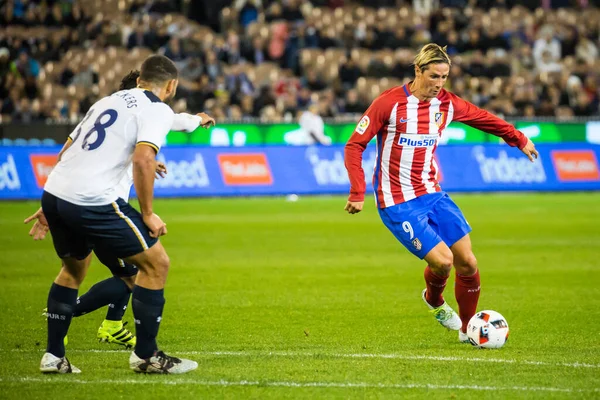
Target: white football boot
(160, 363)
(51, 364)
(444, 314)
(462, 337)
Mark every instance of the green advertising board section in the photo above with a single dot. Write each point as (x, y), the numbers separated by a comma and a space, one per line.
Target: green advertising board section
(290, 134)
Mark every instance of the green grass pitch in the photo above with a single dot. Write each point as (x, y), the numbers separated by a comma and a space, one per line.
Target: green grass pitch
(280, 299)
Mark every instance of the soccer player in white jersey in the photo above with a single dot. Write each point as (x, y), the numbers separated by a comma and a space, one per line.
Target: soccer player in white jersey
(82, 207)
(408, 121)
(115, 292)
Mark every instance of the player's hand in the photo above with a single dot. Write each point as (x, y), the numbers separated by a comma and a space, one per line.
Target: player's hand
(354, 207)
(155, 224)
(530, 151)
(207, 120)
(161, 170)
(40, 227)
(38, 231)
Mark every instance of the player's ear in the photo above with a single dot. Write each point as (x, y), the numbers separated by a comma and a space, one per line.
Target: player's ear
(171, 86)
(417, 71)
(137, 81)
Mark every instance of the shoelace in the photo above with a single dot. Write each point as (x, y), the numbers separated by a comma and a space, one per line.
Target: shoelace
(166, 361)
(441, 314)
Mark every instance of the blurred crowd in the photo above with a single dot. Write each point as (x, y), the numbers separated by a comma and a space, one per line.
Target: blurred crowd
(272, 59)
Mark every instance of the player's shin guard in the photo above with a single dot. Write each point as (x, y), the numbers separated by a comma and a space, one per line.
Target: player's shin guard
(466, 290)
(61, 304)
(435, 287)
(112, 290)
(147, 307)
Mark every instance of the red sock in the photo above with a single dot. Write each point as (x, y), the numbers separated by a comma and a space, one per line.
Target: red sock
(466, 290)
(435, 287)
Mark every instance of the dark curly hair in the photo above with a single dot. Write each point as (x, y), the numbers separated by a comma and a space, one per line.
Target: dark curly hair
(129, 81)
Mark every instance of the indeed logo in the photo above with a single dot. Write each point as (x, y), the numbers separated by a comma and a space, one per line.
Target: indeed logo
(333, 171)
(184, 173)
(9, 177)
(505, 169)
(412, 140)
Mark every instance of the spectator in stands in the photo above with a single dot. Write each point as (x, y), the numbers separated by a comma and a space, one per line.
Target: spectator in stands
(547, 63)
(256, 53)
(353, 104)
(10, 105)
(86, 76)
(294, 35)
(398, 40)
(138, 38)
(303, 98)
(274, 12)
(212, 66)
(248, 11)
(349, 73)
(192, 70)
(377, 67)
(291, 11)
(4, 64)
(238, 84)
(547, 43)
(586, 50)
(313, 81)
(174, 51)
(25, 66)
(247, 106)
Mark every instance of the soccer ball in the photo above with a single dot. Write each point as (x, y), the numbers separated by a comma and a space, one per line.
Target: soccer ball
(487, 329)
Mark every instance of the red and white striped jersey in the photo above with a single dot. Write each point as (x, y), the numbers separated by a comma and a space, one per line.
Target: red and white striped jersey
(407, 131)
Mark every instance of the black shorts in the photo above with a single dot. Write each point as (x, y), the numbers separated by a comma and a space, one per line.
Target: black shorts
(116, 266)
(116, 229)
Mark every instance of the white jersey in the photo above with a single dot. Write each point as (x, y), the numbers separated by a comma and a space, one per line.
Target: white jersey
(181, 122)
(91, 170)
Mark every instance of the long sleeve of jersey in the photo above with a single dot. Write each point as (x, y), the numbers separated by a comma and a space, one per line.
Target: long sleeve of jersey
(474, 116)
(185, 122)
(372, 121)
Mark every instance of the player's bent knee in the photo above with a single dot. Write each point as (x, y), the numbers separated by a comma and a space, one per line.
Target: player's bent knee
(441, 263)
(466, 265)
(153, 261)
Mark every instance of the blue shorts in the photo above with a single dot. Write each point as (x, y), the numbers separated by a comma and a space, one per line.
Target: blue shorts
(420, 224)
(116, 229)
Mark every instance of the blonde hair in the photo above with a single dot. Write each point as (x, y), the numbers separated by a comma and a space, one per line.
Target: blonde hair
(431, 54)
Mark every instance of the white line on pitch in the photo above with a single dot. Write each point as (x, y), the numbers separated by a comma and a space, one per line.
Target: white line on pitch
(69, 380)
(283, 354)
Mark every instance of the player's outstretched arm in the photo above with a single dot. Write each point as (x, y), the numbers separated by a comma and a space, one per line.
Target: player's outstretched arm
(184, 122)
(476, 117)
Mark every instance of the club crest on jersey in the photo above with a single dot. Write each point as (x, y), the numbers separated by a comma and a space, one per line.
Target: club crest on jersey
(417, 243)
(363, 124)
(439, 118)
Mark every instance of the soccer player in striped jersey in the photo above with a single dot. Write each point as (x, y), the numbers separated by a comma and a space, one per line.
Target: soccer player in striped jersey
(408, 121)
